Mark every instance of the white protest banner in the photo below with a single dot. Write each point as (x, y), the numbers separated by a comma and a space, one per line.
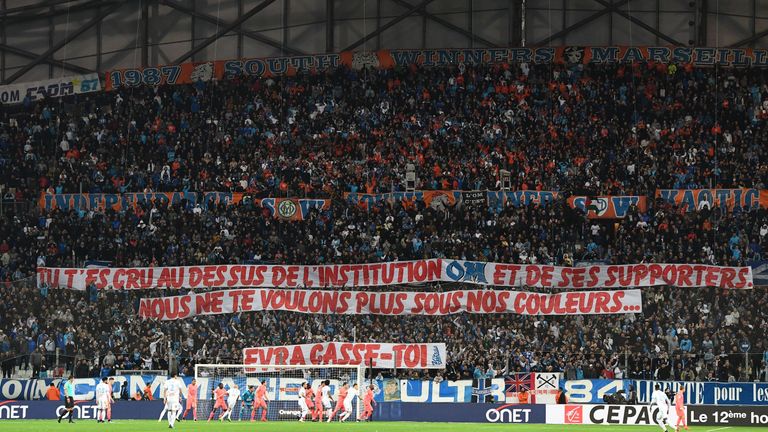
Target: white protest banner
(57, 87)
(399, 273)
(391, 303)
(382, 355)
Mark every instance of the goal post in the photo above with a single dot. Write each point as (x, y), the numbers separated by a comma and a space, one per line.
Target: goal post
(283, 383)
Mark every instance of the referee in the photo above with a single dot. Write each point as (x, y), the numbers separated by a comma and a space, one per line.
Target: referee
(69, 398)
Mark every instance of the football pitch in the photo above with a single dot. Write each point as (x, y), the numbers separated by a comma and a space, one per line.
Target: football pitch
(202, 426)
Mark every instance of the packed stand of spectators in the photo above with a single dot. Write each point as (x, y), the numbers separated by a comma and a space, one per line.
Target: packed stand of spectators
(552, 234)
(578, 130)
(682, 334)
(616, 130)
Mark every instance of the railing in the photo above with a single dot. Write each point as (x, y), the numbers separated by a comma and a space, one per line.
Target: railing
(58, 364)
(141, 372)
(10, 208)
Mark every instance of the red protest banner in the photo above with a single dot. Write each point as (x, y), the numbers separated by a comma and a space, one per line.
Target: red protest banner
(398, 273)
(391, 303)
(381, 355)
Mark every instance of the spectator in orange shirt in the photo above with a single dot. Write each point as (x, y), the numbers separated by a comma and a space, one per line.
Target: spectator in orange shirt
(53, 393)
(523, 397)
(148, 393)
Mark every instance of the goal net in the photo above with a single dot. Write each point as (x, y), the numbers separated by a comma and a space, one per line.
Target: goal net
(282, 382)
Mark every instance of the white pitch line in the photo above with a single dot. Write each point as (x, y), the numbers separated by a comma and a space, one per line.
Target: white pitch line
(719, 429)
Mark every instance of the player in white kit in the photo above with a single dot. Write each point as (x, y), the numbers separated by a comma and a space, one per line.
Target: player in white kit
(102, 400)
(661, 401)
(173, 399)
(303, 401)
(326, 398)
(232, 396)
(351, 395)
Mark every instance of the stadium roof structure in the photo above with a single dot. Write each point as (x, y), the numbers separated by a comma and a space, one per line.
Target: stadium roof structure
(54, 38)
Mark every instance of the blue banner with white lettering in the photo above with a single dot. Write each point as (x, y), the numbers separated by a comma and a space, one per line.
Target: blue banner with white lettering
(450, 391)
(696, 393)
(278, 388)
(85, 388)
(390, 389)
(385, 390)
(726, 199)
(285, 208)
(497, 200)
(759, 272)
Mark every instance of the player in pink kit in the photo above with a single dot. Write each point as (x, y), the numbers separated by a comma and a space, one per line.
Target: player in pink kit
(260, 402)
(318, 412)
(680, 409)
(340, 402)
(191, 400)
(367, 404)
(110, 383)
(220, 393)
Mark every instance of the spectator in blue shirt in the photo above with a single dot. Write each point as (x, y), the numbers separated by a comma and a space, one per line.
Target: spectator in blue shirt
(686, 345)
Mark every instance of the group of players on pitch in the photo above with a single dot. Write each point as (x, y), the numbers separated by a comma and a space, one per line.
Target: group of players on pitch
(104, 400)
(226, 401)
(318, 402)
(321, 401)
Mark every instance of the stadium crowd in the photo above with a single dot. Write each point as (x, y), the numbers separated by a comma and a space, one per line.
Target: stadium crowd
(574, 129)
(689, 334)
(615, 130)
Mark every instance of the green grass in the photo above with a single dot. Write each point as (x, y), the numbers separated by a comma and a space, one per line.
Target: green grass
(285, 426)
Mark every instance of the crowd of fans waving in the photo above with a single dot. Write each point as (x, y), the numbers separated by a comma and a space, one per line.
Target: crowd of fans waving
(577, 130)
